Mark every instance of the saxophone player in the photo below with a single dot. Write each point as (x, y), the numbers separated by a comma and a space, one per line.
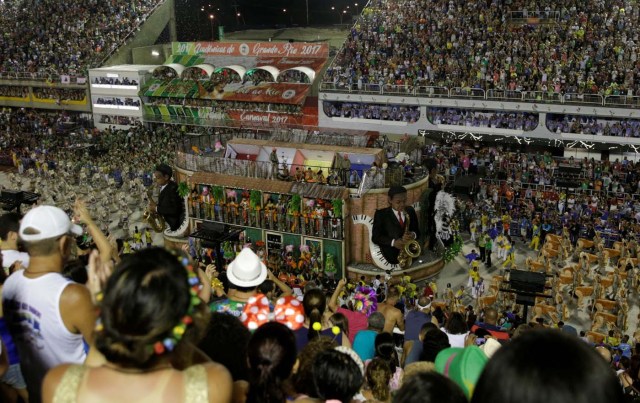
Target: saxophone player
(169, 204)
(389, 225)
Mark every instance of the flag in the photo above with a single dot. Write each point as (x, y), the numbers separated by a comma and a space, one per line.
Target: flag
(65, 79)
(81, 80)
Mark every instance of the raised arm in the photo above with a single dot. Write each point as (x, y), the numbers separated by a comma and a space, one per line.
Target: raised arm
(81, 214)
(333, 302)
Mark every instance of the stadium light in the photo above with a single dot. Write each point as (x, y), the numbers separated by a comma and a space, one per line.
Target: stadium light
(211, 21)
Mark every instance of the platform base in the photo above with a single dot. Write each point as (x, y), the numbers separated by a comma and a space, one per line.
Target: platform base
(429, 267)
(174, 242)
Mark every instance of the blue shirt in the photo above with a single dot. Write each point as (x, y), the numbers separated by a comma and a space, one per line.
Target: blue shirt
(625, 349)
(364, 344)
(413, 323)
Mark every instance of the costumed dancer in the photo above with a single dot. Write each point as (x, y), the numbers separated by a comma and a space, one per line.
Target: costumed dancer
(535, 238)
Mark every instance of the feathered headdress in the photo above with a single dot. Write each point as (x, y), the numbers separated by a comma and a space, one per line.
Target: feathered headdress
(365, 300)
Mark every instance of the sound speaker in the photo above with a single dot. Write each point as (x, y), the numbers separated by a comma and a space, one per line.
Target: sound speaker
(527, 281)
(525, 299)
(216, 227)
(12, 195)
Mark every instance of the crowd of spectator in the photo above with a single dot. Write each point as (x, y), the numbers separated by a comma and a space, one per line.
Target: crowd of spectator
(590, 49)
(120, 120)
(592, 194)
(224, 76)
(52, 37)
(293, 76)
(356, 110)
(114, 81)
(593, 125)
(118, 101)
(471, 118)
(14, 91)
(327, 341)
(59, 94)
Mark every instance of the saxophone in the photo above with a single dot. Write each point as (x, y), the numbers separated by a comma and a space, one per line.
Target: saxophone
(155, 220)
(411, 248)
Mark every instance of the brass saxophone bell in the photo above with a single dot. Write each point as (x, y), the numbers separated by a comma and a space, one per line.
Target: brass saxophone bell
(411, 250)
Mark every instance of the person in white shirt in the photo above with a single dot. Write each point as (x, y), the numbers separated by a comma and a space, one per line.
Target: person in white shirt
(9, 226)
(47, 314)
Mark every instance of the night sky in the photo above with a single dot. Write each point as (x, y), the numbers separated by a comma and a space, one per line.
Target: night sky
(194, 22)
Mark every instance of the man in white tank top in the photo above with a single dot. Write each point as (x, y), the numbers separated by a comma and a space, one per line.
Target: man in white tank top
(47, 314)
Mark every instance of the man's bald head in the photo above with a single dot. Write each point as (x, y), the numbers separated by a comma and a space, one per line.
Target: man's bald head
(605, 353)
(491, 316)
(424, 303)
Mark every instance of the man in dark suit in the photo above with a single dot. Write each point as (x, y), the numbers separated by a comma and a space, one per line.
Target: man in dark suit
(170, 204)
(389, 225)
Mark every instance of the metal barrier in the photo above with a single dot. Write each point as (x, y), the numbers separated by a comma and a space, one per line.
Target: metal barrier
(433, 92)
(593, 99)
(622, 100)
(547, 97)
(505, 95)
(458, 92)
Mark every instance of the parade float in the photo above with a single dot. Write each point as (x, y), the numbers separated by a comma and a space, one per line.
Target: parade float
(306, 208)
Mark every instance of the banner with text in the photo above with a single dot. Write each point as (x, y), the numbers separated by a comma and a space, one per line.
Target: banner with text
(281, 55)
(277, 93)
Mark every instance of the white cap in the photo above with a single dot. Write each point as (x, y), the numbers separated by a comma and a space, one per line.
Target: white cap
(247, 270)
(46, 222)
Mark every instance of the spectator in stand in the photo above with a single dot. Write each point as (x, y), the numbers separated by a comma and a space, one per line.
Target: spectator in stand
(414, 323)
(315, 323)
(456, 329)
(392, 48)
(364, 342)
(336, 376)
(354, 110)
(386, 350)
(271, 356)
(245, 273)
(430, 387)
(377, 378)
(226, 341)
(150, 313)
(9, 228)
(392, 316)
(528, 370)
(357, 320)
(78, 36)
(302, 379)
(493, 119)
(12, 384)
(48, 236)
(490, 324)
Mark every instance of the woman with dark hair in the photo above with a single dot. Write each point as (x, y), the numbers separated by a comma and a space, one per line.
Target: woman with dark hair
(429, 387)
(434, 341)
(386, 350)
(271, 356)
(338, 319)
(225, 341)
(439, 315)
(315, 321)
(544, 366)
(303, 377)
(336, 377)
(150, 314)
(456, 329)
